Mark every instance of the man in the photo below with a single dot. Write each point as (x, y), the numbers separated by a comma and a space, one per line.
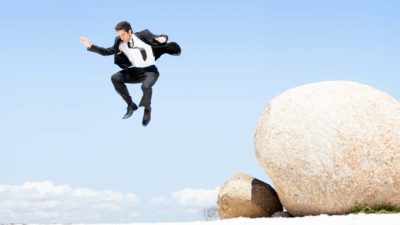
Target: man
(136, 54)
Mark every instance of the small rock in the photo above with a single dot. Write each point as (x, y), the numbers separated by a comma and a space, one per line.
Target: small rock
(246, 196)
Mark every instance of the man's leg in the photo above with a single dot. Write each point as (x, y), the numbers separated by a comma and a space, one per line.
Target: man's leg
(119, 79)
(147, 88)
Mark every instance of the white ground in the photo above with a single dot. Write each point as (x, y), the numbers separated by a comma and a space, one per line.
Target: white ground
(359, 219)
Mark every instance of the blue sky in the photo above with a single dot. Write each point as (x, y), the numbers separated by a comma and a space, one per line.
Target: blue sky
(60, 122)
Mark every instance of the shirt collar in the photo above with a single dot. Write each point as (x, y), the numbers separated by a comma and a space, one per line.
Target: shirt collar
(132, 41)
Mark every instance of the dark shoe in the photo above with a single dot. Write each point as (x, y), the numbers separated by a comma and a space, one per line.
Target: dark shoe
(146, 117)
(131, 108)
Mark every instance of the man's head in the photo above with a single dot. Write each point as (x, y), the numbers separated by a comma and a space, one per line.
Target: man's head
(124, 31)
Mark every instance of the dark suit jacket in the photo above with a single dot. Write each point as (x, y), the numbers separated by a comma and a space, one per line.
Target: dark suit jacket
(146, 36)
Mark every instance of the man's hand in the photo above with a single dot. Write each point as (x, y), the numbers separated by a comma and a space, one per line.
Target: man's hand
(161, 39)
(86, 42)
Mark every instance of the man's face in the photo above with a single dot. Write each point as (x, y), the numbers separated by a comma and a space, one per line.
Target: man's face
(125, 36)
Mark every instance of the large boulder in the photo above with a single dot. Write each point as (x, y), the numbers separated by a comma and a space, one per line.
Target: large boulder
(330, 147)
(246, 196)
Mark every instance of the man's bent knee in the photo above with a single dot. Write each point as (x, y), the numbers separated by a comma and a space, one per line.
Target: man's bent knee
(145, 87)
(116, 78)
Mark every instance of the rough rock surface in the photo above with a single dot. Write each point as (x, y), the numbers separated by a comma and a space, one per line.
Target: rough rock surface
(330, 147)
(246, 196)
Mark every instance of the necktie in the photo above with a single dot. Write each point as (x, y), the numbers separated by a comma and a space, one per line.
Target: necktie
(142, 51)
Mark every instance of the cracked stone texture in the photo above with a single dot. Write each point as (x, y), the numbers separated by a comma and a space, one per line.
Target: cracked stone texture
(245, 196)
(330, 147)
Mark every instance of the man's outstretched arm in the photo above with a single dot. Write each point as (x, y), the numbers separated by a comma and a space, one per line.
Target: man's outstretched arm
(94, 48)
(148, 35)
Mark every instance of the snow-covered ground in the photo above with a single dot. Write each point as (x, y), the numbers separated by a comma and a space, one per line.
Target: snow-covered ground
(359, 219)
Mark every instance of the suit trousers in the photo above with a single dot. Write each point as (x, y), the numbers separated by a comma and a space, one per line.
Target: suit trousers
(147, 76)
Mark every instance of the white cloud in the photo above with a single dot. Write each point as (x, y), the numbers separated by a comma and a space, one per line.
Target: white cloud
(192, 210)
(134, 214)
(189, 197)
(196, 197)
(45, 202)
(189, 202)
(158, 200)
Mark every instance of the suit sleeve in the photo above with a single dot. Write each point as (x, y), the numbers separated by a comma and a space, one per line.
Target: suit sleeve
(148, 35)
(101, 50)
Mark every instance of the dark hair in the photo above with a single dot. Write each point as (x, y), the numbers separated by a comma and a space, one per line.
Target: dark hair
(123, 25)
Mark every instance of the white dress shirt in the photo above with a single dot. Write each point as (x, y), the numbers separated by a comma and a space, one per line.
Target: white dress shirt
(134, 55)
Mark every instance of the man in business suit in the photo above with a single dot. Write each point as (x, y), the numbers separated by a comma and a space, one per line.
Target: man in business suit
(136, 54)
